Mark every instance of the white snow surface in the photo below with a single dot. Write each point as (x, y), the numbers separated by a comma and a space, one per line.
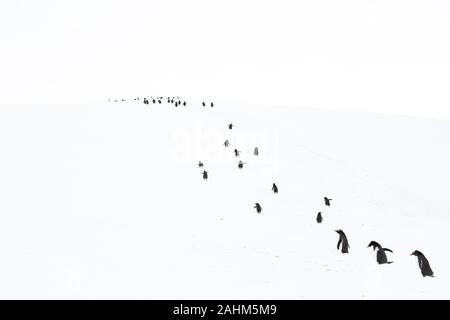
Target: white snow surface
(106, 201)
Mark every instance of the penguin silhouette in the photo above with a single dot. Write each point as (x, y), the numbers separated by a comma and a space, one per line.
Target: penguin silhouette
(226, 143)
(256, 151)
(203, 104)
(327, 201)
(240, 164)
(184, 103)
(159, 101)
(200, 164)
(212, 104)
(381, 255)
(236, 152)
(274, 188)
(154, 101)
(342, 240)
(424, 265)
(230, 126)
(258, 207)
(205, 175)
(319, 218)
(176, 104)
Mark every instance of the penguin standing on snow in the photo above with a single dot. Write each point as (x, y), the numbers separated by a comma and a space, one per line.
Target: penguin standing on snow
(381, 255)
(274, 188)
(258, 207)
(327, 201)
(200, 164)
(256, 151)
(342, 240)
(230, 126)
(236, 152)
(205, 175)
(226, 143)
(424, 265)
(212, 104)
(240, 164)
(203, 104)
(319, 218)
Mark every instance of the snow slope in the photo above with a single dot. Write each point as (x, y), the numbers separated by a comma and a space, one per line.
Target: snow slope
(106, 201)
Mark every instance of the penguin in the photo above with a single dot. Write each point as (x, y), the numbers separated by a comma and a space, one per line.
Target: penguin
(154, 101)
(176, 104)
(205, 175)
(274, 188)
(319, 218)
(258, 207)
(200, 164)
(212, 104)
(230, 126)
(240, 164)
(236, 152)
(159, 101)
(256, 151)
(342, 240)
(424, 265)
(226, 143)
(327, 201)
(184, 103)
(381, 255)
(203, 104)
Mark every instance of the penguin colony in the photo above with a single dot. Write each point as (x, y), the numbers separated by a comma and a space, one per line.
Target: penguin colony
(343, 243)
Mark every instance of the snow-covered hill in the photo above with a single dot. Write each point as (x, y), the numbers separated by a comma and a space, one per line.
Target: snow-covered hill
(107, 201)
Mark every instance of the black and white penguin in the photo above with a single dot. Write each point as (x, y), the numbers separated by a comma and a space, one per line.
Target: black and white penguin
(226, 143)
(230, 126)
(200, 164)
(381, 255)
(274, 188)
(327, 201)
(203, 104)
(258, 207)
(236, 152)
(319, 218)
(256, 151)
(342, 240)
(212, 104)
(424, 265)
(240, 164)
(205, 175)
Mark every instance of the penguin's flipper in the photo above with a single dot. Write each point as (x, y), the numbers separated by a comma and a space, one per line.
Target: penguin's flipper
(339, 243)
(389, 262)
(386, 249)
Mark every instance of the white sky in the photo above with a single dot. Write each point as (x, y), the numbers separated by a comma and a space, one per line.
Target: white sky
(375, 55)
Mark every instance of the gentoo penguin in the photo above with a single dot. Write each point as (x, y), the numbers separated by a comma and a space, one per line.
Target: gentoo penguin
(240, 164)
(205, 175)
(236, 152)
(256, 151)
(381, 255)
(274, 188)
(424, 265)
(258, 207)
(200, 164)
(230, 126)
(343, 240)
(319, 218)
(327, 201)
(226, 143)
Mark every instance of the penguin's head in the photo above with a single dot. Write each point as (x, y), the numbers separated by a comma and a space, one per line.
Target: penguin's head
(417, 253)
(374, 244)
(339, 231)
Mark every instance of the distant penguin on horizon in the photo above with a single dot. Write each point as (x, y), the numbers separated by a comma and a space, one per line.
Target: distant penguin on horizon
(256, 151)
(424, 265)
(230, 126)
(203, 104)
(342, 240)
(319, 218)
(327, 201)
(240, 164)
(200, 164)
(258, 207)
(212, 104)
(274, 188)
(236, 152)
(205, 175)
(381, 255)
(226, 143)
